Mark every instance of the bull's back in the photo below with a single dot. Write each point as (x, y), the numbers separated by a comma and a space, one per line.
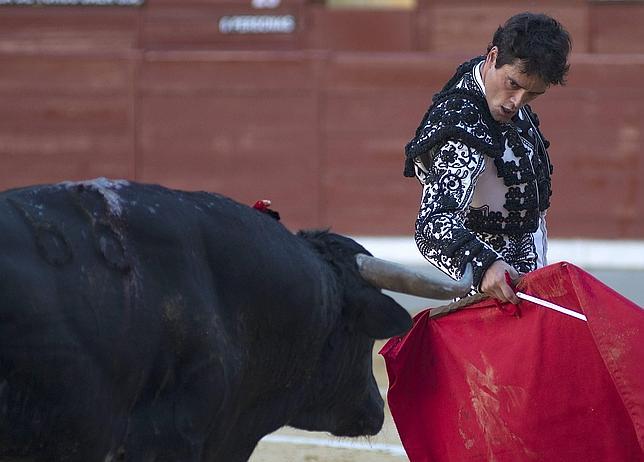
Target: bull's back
(62, 259)
(110, 257)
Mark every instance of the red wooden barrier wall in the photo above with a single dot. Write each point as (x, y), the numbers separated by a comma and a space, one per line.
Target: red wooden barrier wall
(315, 120)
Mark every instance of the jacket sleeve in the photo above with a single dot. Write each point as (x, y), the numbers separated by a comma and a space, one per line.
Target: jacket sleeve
(448, 187)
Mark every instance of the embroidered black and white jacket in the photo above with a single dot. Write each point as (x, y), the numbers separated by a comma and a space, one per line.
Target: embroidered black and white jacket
(486, 185)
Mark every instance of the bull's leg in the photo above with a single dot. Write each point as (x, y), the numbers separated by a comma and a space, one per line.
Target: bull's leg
(56, 406)
(153, 438)
(243, 454)
(205, 396)
(176, 423)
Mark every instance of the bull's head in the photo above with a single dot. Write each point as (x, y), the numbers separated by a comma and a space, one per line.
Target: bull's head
(344, 398)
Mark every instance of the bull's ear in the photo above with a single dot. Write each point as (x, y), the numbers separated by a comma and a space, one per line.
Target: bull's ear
(381, 317)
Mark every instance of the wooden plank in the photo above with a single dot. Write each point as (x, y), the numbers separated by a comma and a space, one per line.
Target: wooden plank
(617, 27)
(66, 74)
(248, 127)
(597, 131)
(373, 104)
(209, 72)
(469, 28)
(424, 72)
(239, 3)
(65, 117)
(363, 187)
(197, 26)
(250, 147)
(40, 29)
(360, 29)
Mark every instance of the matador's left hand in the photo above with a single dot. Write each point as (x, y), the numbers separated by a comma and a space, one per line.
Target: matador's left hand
(494, 283)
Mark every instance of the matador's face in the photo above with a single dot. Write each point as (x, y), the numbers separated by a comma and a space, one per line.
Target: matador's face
(508, 88)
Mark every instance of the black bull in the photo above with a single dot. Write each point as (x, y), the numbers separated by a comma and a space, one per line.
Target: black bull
(139, 323)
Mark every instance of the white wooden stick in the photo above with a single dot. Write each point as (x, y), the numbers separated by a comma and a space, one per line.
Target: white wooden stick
(552, 306)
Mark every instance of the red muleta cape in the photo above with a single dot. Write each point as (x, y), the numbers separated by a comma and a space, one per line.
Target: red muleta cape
(480, 385)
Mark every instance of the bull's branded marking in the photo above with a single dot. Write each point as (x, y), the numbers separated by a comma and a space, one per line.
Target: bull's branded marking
(72, 2)
(106, 188)
(257, 24)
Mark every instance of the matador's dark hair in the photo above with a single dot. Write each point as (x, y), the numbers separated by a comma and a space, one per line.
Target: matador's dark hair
(539, 42)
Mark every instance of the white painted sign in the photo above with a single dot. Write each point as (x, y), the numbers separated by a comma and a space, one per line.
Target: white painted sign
(266, 3)
(257, 24)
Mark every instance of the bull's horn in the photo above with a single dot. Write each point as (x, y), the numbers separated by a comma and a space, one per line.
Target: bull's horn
(427, 282)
